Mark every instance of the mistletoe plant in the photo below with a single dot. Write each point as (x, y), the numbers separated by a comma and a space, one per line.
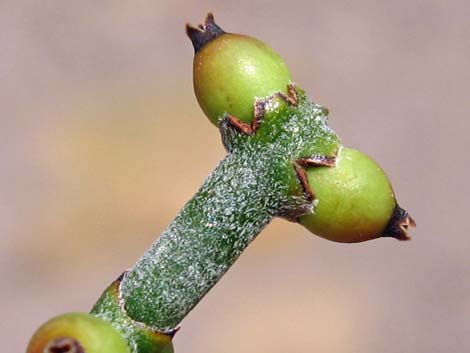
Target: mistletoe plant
(282, 161)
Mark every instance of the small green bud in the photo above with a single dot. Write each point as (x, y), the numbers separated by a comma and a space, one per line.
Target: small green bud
(77, 333)
(355, 199)
(232, 71)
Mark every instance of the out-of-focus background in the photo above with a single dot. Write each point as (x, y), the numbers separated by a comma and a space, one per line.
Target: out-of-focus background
(102, 142)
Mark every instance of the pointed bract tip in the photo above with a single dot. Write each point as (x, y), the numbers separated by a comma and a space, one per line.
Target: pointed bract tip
(173, 332)
(209, 18)
(201, 34)
(399, 224)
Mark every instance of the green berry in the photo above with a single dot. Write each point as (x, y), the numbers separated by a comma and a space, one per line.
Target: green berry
(77, 333)
(355, 199)
(232, 71)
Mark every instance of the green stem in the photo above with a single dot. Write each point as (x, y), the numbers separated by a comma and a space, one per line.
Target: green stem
(255, 182)
(260, 178)
(207, 236)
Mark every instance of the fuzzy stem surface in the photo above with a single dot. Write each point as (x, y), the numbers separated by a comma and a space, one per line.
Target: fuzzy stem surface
(254, 183)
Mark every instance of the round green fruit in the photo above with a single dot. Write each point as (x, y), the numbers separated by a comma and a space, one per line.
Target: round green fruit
(232, 71)
(355, 200)
(77, 333)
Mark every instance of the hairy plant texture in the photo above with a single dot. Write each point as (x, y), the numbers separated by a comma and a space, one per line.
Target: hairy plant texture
(273, 151)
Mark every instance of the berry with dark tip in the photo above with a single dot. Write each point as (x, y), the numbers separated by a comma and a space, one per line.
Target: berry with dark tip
(232, 71)
(355, 201)
(77, 333)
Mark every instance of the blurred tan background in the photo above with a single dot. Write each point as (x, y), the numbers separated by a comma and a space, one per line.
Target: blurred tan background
(102, 142)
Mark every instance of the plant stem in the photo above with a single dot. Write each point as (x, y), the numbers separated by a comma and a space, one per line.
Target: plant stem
(198, 247)
(254, 183)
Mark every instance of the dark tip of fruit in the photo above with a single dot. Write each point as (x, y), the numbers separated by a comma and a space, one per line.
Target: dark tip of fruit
(399, 224)
(203, 33)
(64, 345)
